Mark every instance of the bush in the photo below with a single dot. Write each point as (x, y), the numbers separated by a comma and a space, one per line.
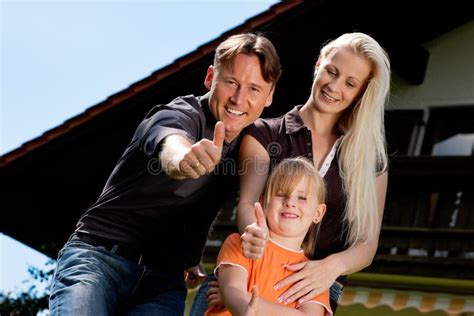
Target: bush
(29, 302)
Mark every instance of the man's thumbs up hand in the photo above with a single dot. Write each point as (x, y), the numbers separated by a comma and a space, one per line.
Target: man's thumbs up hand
(204, 155)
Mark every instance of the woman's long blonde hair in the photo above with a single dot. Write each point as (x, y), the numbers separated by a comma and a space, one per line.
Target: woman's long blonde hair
(362, 152)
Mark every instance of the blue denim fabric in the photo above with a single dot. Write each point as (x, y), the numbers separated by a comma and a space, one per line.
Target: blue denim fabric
(91, 280)
(199, 306)
(335, 292)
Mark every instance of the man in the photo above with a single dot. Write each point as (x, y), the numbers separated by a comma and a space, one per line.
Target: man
(130, 248)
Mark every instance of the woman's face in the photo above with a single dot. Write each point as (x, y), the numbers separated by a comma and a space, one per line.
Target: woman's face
(340, 78)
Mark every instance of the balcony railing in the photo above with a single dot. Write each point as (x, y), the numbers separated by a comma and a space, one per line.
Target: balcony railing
(428, 225)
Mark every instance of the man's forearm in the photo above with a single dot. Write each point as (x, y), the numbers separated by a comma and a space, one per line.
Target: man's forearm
(173, 150)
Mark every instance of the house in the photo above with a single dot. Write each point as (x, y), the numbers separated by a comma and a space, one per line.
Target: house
(428, 230)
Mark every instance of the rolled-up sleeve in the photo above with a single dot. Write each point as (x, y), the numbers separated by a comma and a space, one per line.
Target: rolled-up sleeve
(163, 123)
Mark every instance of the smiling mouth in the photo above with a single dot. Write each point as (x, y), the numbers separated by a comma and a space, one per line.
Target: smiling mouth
(328, 97)
(289, 215)
(233, 111)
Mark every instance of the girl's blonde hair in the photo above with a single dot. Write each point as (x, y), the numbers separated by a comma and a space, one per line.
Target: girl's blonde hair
(284, 179)
(363, 153)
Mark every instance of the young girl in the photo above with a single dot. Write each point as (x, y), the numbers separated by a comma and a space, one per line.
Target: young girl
(293, 201)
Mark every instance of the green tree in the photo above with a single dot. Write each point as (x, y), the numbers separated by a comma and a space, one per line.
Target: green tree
(29, 302)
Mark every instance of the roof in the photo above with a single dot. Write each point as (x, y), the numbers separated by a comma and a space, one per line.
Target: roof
(122, 96)
(397, 22)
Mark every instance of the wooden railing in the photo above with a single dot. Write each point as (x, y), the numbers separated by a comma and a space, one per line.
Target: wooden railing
(428, 225)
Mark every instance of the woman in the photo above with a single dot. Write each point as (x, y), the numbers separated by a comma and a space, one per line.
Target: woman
(340, 128)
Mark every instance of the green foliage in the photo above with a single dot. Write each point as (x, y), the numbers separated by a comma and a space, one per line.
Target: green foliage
(23, 304)
(29, 302)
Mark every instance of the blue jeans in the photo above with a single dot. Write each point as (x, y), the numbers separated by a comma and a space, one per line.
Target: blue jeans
(92, 280)
(335, 292)
(200, 302)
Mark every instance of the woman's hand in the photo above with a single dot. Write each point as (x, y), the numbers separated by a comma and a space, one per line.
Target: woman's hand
(255, 237)
(312, 278)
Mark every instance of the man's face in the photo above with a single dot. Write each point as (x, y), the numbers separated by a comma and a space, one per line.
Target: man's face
(238, 93)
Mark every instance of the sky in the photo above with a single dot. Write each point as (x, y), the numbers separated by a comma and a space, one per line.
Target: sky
(60, 57)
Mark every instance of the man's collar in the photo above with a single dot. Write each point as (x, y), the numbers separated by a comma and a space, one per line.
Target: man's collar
(204, 101)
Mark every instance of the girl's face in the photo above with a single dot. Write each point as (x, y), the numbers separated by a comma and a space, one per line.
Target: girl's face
(341, 77)
(290, 215)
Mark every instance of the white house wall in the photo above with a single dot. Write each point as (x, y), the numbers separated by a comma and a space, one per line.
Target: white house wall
(449, 79)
